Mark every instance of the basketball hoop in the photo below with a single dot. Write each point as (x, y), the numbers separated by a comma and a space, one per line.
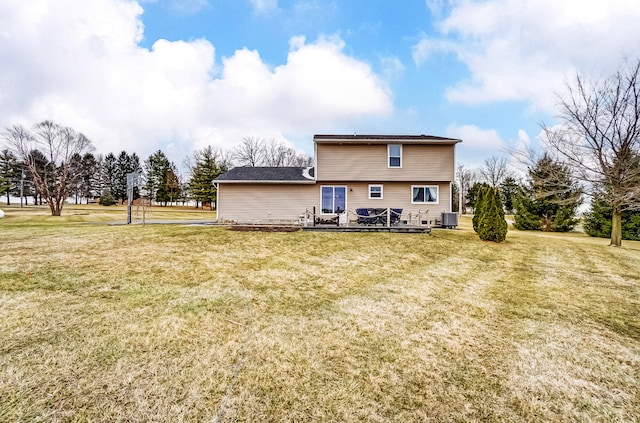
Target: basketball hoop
(133, 180)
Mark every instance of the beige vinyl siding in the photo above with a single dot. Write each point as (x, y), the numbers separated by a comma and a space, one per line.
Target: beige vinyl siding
(397, 195)
(350, 162)
(264, 203)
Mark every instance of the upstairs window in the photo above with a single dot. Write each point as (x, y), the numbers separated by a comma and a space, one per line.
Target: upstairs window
(394, 151)
(424, 194)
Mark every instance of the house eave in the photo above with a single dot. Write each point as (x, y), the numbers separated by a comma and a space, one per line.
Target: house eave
(311, 182)
(383, 139)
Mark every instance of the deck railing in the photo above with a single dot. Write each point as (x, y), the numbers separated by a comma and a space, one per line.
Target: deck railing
(349, 217)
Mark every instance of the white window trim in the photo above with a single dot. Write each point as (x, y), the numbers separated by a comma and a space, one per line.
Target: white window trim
(381, 191)
(425, 202)
(389, 156)
(334, 187)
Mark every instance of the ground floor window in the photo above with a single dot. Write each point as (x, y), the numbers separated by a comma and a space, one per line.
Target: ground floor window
(424, 194)
(375, 191)
(334, 199)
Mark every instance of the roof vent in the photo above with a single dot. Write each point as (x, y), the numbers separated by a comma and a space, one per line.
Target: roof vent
(306, 174)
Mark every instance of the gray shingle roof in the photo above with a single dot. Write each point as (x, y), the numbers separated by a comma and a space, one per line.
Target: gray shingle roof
(268, 174)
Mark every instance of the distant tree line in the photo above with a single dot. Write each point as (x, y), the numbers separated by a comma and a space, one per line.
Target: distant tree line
(51, 163)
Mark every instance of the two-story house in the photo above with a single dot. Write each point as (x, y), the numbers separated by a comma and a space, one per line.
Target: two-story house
(409, 172)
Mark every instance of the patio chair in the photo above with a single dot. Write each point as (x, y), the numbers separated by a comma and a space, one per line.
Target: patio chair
(394, 216)
(380, 216)
(364, 217)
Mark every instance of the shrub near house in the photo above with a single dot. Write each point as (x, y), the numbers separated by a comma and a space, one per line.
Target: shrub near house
(489, 222)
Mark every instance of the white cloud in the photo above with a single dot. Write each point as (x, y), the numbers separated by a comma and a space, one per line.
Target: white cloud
(187, 7)
(523, 50)
(427, 47)
(392, 67)
(264, 6)
(523, 140)
(313, 10)
(80, 64)
(477, 139)
(436, 7)
(318, 85)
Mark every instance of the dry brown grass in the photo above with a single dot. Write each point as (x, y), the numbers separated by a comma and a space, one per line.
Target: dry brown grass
(184, 323)
(94, 213)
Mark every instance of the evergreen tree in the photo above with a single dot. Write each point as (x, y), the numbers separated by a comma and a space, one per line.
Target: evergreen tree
(135, 167)
(108, 176)
(157, 168)
(119, 191)
(5, 186)
(526, 217)
(75, 177)
(551, 197)
(491, 223)
(90, 176)
(125, 164)
(106, 199)
(597, 222)
(172, 184)
(472, 195)
(9, 174)
(134, 163)
(479, 202)
(208, 166)
(509, 190)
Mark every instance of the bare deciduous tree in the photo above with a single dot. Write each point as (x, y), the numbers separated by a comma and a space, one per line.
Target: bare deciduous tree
(495, 170)
(280, 155)
(466, 178)
(599, 136)
(250, 152)
(59, 145)
(260, 152)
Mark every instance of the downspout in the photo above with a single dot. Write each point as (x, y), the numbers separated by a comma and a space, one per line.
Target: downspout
(450, 197)
(315, 161)
(451, 183)
(217, 187)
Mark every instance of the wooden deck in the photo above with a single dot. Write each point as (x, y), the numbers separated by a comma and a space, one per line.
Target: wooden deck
(411, 229)
(266, 227)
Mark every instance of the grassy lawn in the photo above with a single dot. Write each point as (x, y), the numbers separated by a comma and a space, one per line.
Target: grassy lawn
(94, 213)
(197, 323)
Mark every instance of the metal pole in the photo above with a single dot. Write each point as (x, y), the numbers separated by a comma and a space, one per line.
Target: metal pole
(133, 180)
(129, 198)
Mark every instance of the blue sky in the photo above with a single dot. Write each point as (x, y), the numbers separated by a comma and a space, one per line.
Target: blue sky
(178, 75)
